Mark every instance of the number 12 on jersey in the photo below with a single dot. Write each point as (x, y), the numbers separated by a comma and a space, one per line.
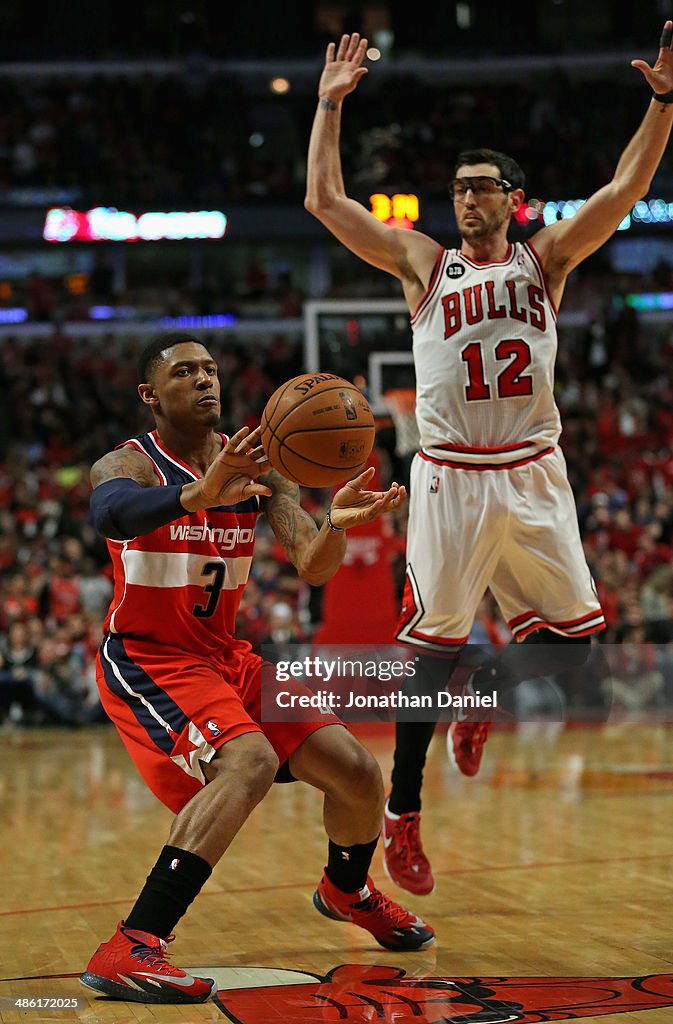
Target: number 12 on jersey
(510, 381)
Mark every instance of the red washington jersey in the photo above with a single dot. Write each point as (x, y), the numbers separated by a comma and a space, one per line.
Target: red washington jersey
(181, 584)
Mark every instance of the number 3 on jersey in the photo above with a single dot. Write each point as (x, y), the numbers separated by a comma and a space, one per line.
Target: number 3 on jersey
(511, 381)
(217, 570)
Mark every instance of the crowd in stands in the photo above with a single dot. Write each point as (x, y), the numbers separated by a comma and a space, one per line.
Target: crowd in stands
(615, 390)
(154, 141)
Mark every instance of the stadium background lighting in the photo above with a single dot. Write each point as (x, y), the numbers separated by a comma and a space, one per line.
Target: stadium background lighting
(187, 321)
(646, 211)
(280, 86)
(647, 301)
(107, 224)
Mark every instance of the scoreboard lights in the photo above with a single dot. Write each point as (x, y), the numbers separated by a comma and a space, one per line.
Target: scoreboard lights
(106, 224)
(400, 210)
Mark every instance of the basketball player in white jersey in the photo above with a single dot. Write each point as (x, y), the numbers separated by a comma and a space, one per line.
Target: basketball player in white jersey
(490, 502)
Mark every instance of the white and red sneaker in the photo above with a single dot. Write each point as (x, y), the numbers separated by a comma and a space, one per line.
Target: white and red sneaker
(465, 745)
(404, 860)
(132, 966)
(392, 926)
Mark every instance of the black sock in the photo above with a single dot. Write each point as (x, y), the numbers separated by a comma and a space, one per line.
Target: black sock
(175, 880)
(348, 866)
(412, 740)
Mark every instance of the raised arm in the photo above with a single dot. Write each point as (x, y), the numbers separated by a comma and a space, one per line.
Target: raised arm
(565, 244)
(408, 255)
(318, 553)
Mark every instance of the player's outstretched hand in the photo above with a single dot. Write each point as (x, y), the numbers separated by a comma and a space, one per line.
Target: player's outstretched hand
(660, 77)
(232, 475)
(343, 68)
(353, 504)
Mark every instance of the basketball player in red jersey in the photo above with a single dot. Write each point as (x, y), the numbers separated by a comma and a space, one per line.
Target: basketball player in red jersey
(490, 503)
(178, 507)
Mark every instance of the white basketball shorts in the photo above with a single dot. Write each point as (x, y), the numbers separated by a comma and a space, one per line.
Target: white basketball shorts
(513, 530)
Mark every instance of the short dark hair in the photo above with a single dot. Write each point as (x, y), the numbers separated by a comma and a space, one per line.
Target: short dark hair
(152, 354)
(508, 168)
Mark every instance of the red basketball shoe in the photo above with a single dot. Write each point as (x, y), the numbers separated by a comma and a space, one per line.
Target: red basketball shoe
(392, 926)
(404, 861)
(132, 966)
(465, 745)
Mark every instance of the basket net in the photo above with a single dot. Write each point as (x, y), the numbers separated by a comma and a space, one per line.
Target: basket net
(402, 405)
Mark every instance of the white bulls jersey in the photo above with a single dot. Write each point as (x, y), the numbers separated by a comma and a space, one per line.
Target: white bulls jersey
(484, 350)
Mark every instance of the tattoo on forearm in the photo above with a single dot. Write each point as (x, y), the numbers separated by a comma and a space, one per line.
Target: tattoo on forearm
(293, 527)
(291, 524)
(283, 520)
(281, 487)
(328, 104)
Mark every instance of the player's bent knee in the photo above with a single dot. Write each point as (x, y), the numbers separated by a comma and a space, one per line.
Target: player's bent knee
(361, 776)
(249, 758)
(335, 762)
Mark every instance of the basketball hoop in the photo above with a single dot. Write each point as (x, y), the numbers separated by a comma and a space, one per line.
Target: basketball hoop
(402, 405)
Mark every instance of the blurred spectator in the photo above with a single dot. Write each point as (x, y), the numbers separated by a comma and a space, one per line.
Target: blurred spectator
(18, 665)
(95, 590)
(61, 683)
(17, 602)
(637, 682)
(61, 596)
(283, 625)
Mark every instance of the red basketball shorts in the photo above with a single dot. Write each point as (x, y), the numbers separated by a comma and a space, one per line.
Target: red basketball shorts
(173, 711)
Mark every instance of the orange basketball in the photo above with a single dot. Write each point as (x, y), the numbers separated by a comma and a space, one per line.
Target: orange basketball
(317, 430)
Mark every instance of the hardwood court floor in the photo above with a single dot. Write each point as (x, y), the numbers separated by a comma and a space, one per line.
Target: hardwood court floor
(555, 862)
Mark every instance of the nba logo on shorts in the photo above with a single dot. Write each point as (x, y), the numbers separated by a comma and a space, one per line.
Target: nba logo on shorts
(434, 485)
